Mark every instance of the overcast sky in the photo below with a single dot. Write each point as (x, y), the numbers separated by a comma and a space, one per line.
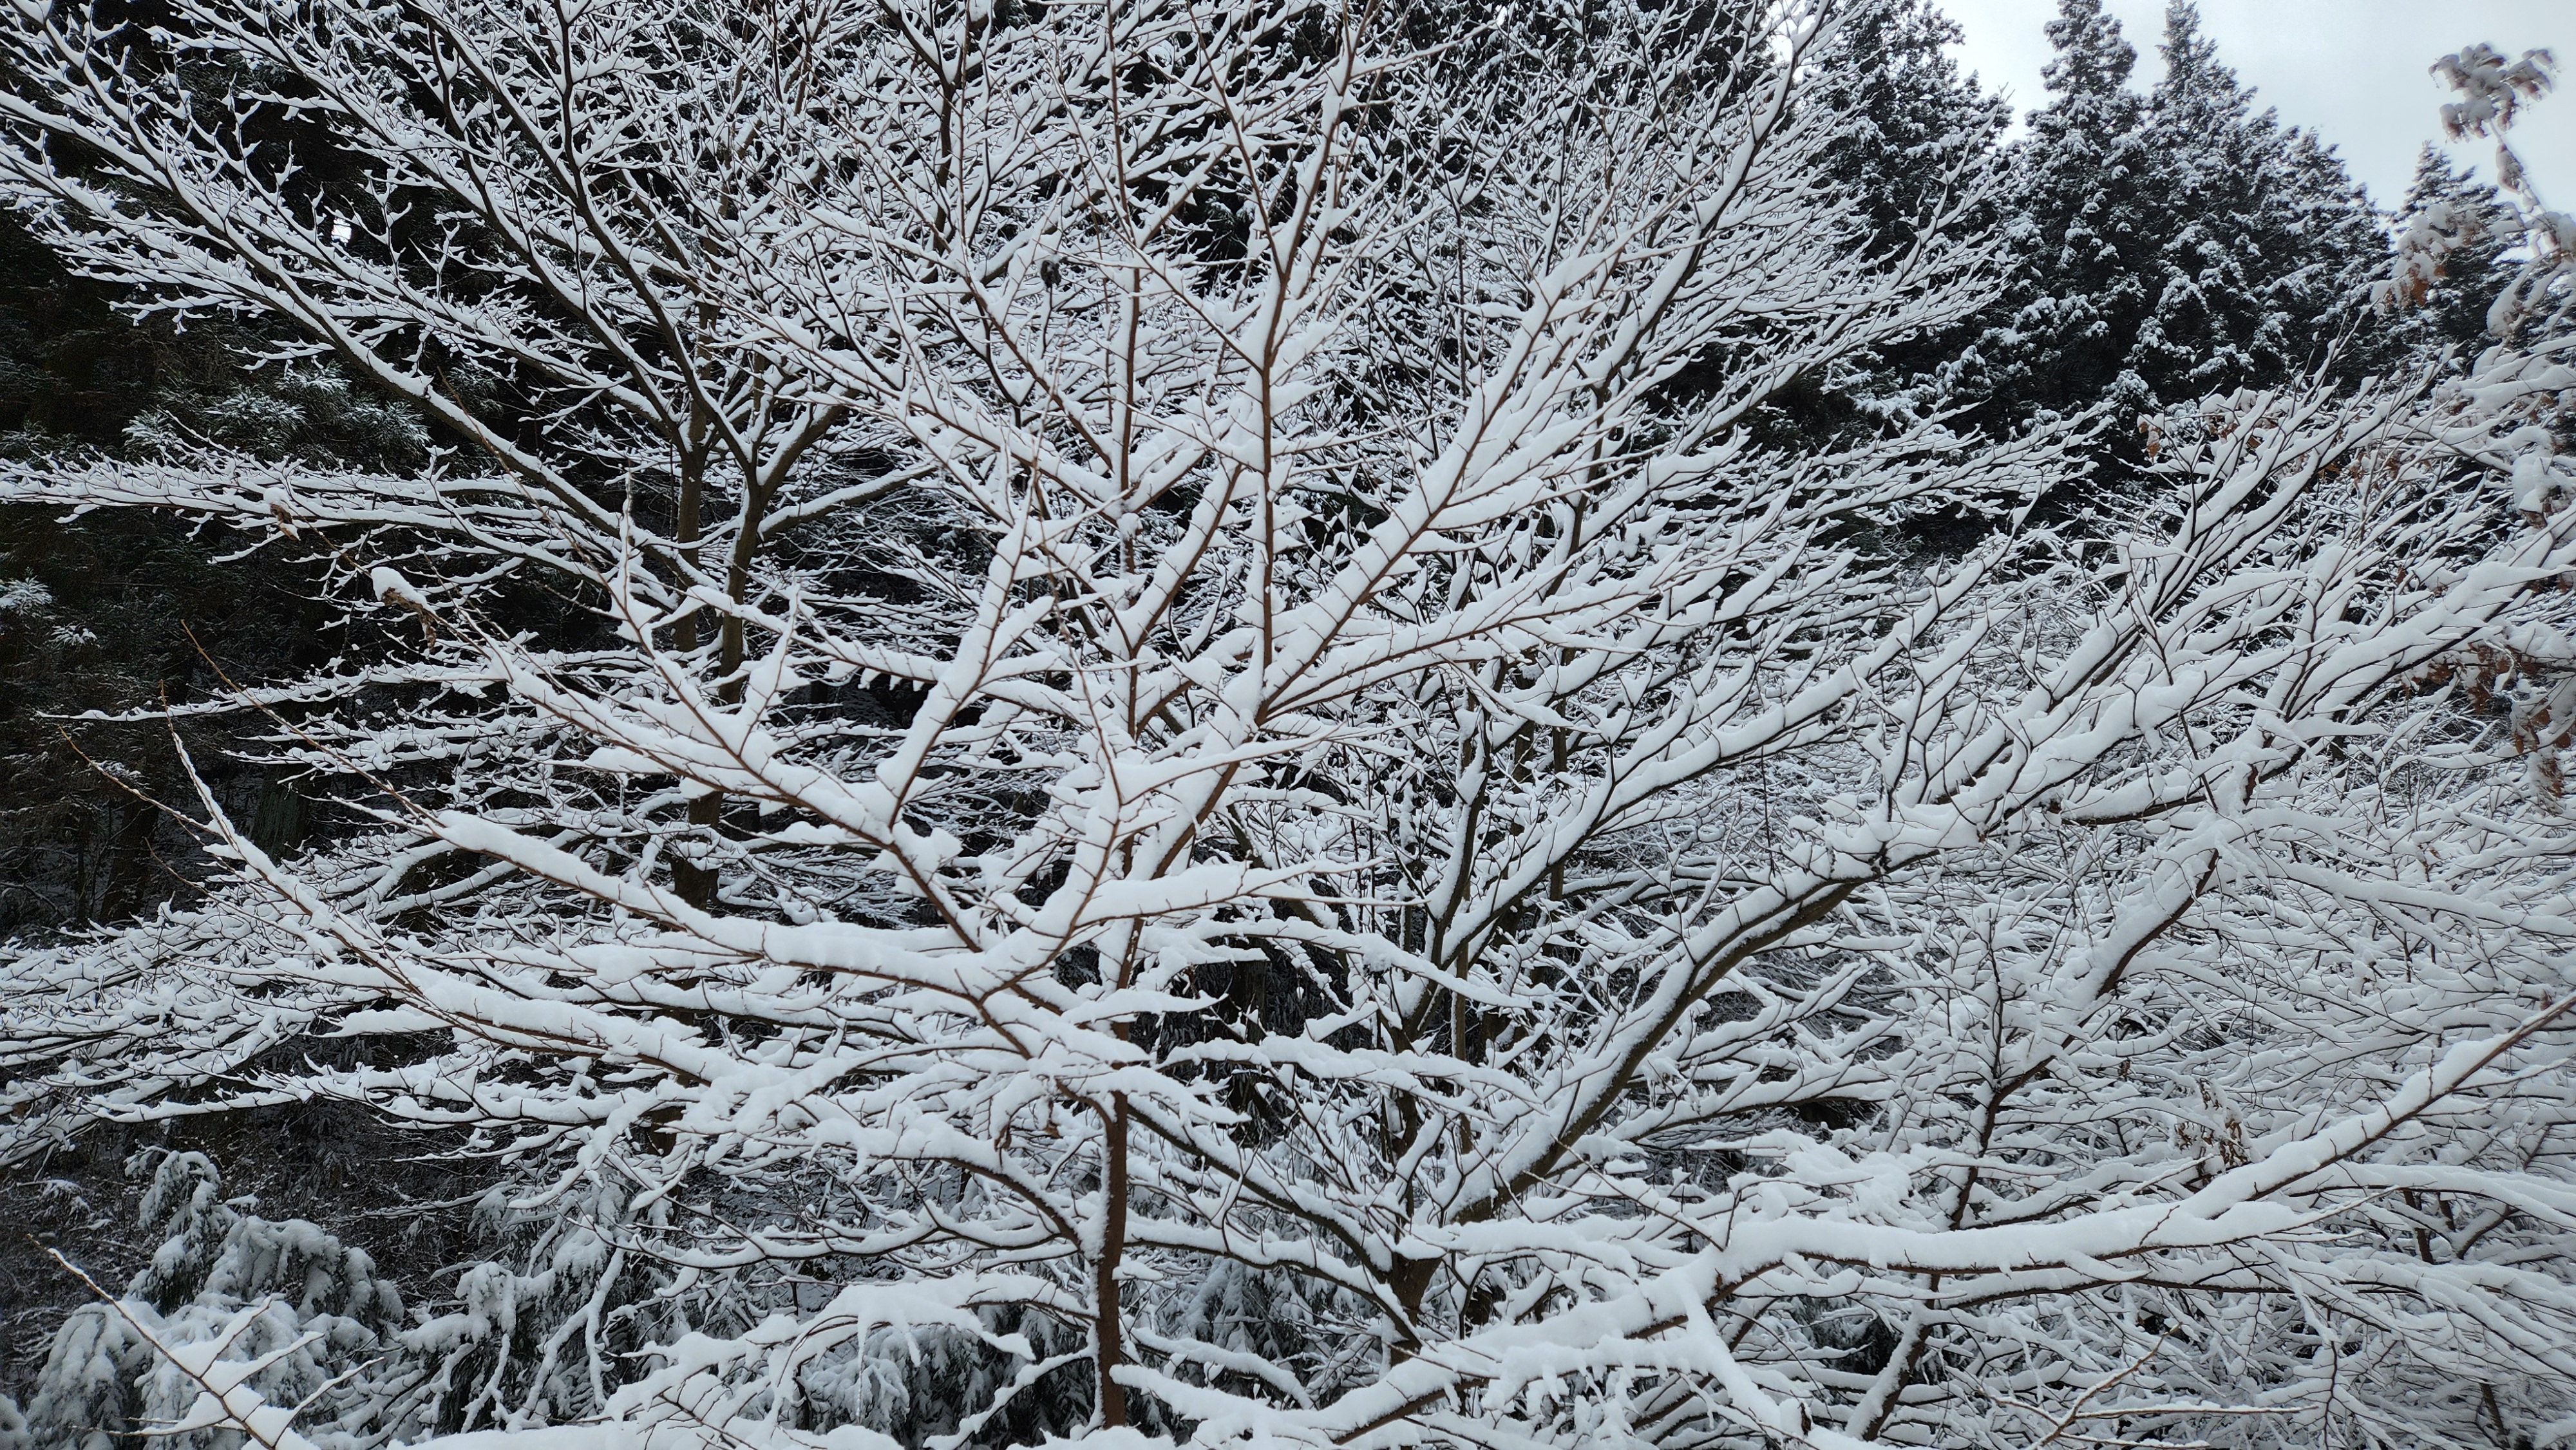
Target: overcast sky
(2353, 71)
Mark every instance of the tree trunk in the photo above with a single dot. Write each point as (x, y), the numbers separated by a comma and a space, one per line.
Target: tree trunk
(1113, 1242)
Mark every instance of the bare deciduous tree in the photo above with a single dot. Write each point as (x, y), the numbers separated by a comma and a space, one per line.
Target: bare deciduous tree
(1244, 770)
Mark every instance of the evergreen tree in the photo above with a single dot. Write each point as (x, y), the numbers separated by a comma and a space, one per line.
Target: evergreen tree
(2087, 229)
(2271, 243)
(2170, 246)
(1912, 127)
(1911, 118)
(314, 1316)
(2458, 238)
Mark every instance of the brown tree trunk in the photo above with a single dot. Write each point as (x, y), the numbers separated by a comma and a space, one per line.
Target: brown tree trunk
(696, 884)
(1113, 1242)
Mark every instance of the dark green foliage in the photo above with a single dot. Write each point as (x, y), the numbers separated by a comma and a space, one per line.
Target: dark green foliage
(1912, 136)
(2468, 224)
(76, 372)
(2272, 249)
(2166, 246)
(383, 1192)
(1915, 122)
(70, 366)
(2085, 233)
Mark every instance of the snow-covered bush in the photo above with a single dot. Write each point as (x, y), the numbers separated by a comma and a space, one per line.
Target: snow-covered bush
(535, 1329)
(1227, 796)
(312, 1316)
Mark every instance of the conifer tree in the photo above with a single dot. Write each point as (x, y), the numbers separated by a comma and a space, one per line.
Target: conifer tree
(2270, 242)
(309, 1321)
(2464, 232)
(2087, 227)
(1909, 124)
(1910, 117)
(2171, 246)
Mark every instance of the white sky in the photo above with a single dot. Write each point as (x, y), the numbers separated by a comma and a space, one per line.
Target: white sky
(2353, 71)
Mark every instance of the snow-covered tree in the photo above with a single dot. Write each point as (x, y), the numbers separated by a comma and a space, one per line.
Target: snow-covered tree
(533, 257)
(2456, 242)
(2171, 245)
(2272, 248)
(2087, 226)
(1315, 839)
(308, 1320)
(1910, 118)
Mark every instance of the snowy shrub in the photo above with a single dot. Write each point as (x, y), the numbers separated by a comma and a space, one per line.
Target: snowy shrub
(542, 1330)
(286, 1296)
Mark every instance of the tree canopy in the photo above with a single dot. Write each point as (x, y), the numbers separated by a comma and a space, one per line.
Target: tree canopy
(1286, 724)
